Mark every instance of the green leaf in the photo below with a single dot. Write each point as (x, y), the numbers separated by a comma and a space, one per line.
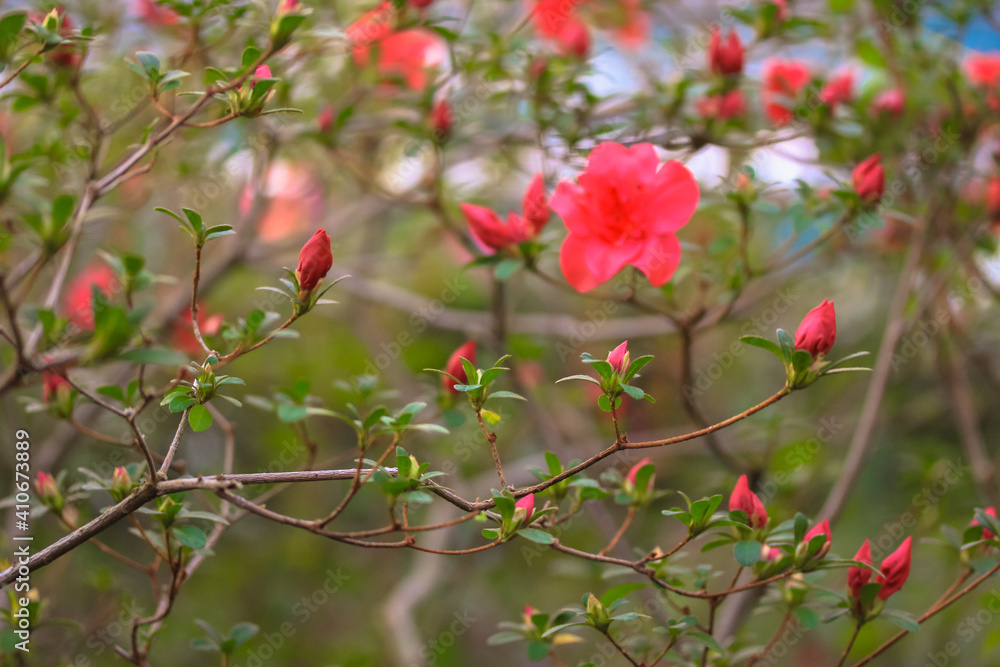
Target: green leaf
(506, 268)
(870, 54)
(747, 552)
(507, 394)
(807, 617)
(504, 638)
(190, 536)
(536, 535)
(786, 343)
(619, 592)
(199, 418)
(586, 378)
(764, 344)
(901, 619)
(634, 392)
(801, 527)
(490, 417)
(801, 361)
(706, 640)
(537, 651)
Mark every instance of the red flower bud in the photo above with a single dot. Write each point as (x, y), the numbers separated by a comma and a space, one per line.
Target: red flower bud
(858, 576)
(820, 529)
(745, 499)
(535, 205)
(491, 231)
(725, 56)
(441, 120)
(48, 491)
(121, 484)
(724, 106)
(839, 89)
(869, 179)
(325, 119)
(987, 534)
(895, 570)
(818, 330)
(528, 505)
(51, 384)
(892, 102)
(420, 4)
(287, 6)
(315, 261)
(574, 39)
(618, 357)
(455, 368)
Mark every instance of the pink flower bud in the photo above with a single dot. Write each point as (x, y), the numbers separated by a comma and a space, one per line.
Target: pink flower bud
(869, 179)
(574, 39)
(491, 231)
(287, 6)
(454, 367)
(619, 358)
(262, 72)
(746, 500)
(315, 261)
(892, 102)
(858, 576)
(725, 56)
(818, 330)
(48, 491)
(820, 529)
(528, 505)
(895, 570)
(121, 483)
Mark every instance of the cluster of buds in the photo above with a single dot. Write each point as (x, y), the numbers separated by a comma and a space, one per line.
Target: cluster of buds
(493, 233)
(867, 598)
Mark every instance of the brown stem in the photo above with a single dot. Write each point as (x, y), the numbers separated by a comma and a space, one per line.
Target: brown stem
(850, 645)
(618, 535)
(492, 438)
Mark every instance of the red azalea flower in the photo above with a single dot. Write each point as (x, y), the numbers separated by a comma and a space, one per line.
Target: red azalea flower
(372, 26)
(455, 368)
(315, 261)
(624, 210)
(892, 102)
(724, 106)
(783, 81)
(895, 570)
(858, 576)
(404, 54)
(818, 330)
(725, 56)
(838, 90)
(745, 499)
(76, 303)
(868, 179)
(983, 69)
(490, 231)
